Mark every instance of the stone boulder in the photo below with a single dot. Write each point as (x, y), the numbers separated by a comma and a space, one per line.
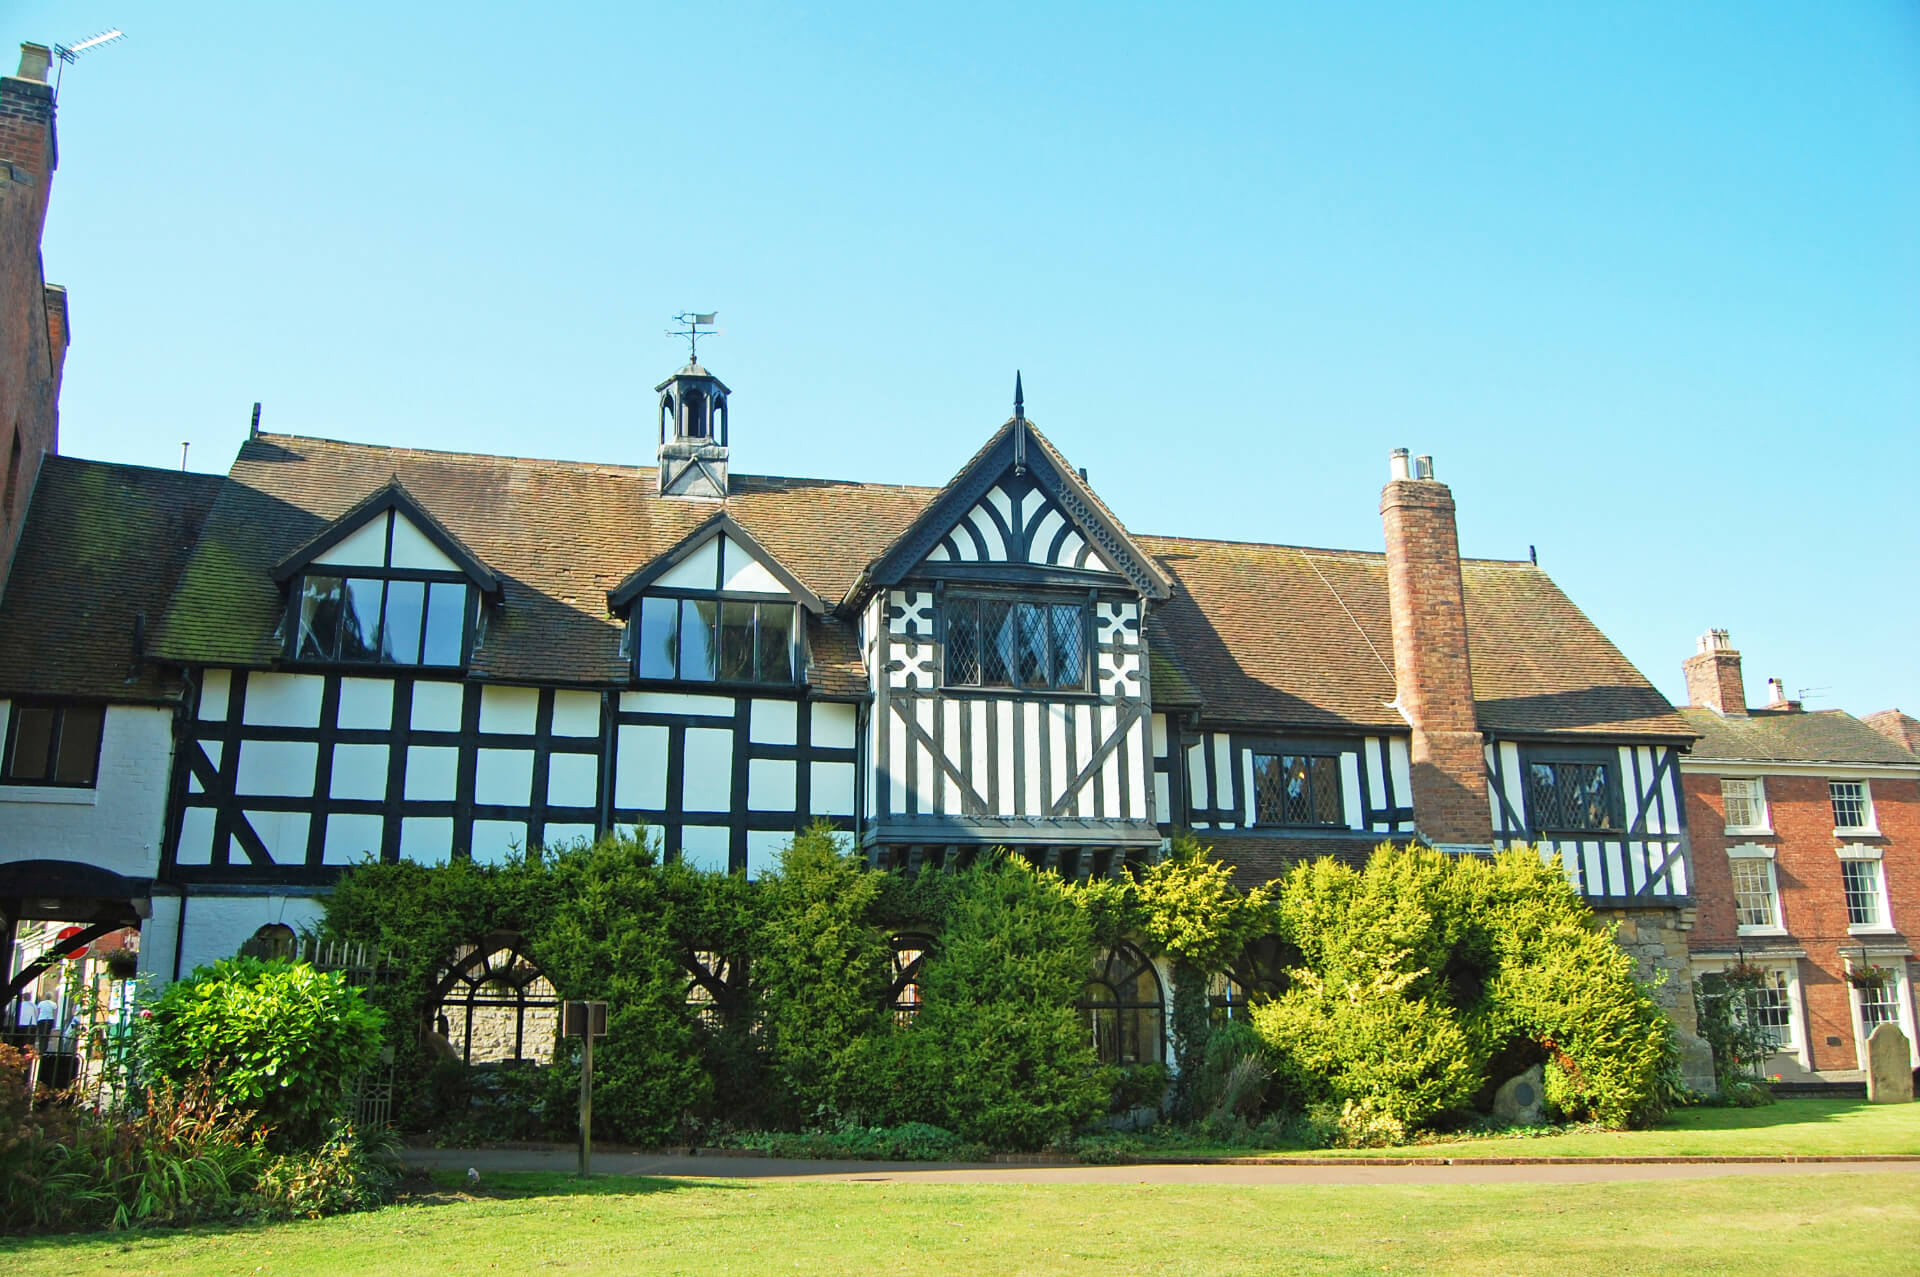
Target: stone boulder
(1889, 1066)
(1518, 1101)
(1696, 1063)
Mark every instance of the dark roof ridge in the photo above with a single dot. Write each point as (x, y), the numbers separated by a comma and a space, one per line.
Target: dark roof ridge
(602, 466)
(64, 458)
(1325, 549)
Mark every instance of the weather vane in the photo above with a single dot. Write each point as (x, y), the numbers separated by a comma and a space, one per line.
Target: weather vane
(691, 323)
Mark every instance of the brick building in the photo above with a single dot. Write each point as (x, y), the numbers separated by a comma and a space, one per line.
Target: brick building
(33, 313)
(1806, 842)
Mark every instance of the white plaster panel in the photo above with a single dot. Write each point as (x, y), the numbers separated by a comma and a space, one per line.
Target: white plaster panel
(352, 836)
(509, 709)
(831, 790)
(499, 842)
(640, 769)
(216, 926)
(559, 836)
(433, 771)
(706, 847)
(576, 714)
(698, 571)
(925, 781)
(214, 688)
(1223, 770)
(412, 549)
(573, 779)
(1349, 790)
(215, 750)
(764, 848)
(284, 834)
(1197, 769)
(1400, 767)
(284, 700)
(1159, 735)
(1003, 715)
(359, 771)
(773, 722)
(436, 706)
(896, 760)
(741, 571)
(833, 726)
(196, 837)
(1056, 782)
(770, 784)
(709, 770)
(427, 840)
(1162, 796)
(1377, 776)
(366, 704)
(364, 547)
(503, 777)
(950, 729)
(282, 768)
(675, 703)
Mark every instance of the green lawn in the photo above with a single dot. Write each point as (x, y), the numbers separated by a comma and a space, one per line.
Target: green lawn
(1739, 1225)
(1802, 1127)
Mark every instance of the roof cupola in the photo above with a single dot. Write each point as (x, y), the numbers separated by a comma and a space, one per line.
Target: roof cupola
(693, 423)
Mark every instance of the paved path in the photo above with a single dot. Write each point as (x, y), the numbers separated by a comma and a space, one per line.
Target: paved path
(770, 1168)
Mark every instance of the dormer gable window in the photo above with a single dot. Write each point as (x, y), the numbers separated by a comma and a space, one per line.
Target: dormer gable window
(384, 584)
(716, 608)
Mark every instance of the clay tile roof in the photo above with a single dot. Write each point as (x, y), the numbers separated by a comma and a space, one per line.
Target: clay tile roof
(1796, 736)
(559, 534)
(102, 542)
(1302, 637)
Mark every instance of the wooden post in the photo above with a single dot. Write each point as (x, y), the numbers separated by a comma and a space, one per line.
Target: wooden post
(586, 1103)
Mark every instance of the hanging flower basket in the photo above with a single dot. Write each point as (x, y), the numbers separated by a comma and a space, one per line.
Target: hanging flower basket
(1744, 973)
(122, 965)
(1871, 976)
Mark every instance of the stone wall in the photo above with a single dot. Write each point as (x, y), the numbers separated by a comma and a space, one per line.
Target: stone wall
(1657, 939)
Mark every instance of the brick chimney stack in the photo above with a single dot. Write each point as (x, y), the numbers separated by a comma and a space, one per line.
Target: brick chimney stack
(1713, 676)
(33, 318)
(1433, 670)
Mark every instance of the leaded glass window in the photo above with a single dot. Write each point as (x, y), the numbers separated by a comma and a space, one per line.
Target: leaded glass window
(1297, 789)
(1015, 643)
(1745, 804)
(1574, 796)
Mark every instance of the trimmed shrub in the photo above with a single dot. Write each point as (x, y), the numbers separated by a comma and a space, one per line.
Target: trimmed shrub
(277, 1039)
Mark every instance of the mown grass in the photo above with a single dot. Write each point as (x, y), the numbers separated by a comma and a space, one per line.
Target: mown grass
(1748, 1225)
(1795, 1127)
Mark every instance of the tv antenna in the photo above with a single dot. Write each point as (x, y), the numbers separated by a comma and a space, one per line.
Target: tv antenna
(68, 52)
(691, 323)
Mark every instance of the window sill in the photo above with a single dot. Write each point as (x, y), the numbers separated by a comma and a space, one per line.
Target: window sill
(1878, 929)
(1749, 831)
(1760, 931)
(1864, 831)
(53, 794)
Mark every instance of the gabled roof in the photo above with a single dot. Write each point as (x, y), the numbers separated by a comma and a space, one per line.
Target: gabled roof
(1016, 443)
(393, 497)
(103, 543)
(722, 524)
(1902, 729)
(1792, 736)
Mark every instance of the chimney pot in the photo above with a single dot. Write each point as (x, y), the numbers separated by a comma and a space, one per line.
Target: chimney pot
(1714, 680)
(34, 61)
(1423, 467)
(1776, 692)
(1397, 464)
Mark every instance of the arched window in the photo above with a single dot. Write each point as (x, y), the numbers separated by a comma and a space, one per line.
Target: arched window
(275, 940)
(1123, 1008)
(1259, 973)
(668, 427)
(903, 990)
(495, 1004)
(716, 988)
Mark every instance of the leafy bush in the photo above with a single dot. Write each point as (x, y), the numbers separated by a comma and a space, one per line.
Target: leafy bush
(277, 1039)
(1723, 1002)
(910, 1142)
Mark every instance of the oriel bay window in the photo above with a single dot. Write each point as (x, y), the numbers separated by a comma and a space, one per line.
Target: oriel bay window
(1297, 789)
(1571, 793)
(1016, 643)
(709, 639)
(388, 620)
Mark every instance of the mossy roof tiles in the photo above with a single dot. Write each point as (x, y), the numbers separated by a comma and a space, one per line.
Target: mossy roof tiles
(1792, 736)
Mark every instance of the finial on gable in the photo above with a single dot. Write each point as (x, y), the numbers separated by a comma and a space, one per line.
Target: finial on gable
(1019, 399)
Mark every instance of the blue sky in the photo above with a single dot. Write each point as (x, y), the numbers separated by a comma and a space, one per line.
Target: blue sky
(1644, 279)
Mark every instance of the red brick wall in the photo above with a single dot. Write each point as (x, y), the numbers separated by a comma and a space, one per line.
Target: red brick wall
(1432, 667)
(1813, 904)
(30, 354)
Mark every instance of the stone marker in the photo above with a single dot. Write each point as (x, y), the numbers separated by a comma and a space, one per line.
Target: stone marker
(1889, 1066)
(1517, 1102)
(1696, 1063)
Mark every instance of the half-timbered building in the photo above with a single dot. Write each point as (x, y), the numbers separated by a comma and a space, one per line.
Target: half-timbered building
(394, 653)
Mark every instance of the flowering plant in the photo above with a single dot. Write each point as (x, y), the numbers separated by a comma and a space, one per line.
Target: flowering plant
(1870, 976)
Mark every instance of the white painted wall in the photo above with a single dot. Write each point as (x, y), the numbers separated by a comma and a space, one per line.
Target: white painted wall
(216, 927)
(119, 823)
